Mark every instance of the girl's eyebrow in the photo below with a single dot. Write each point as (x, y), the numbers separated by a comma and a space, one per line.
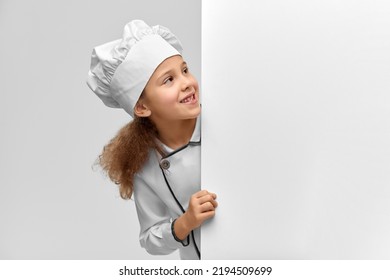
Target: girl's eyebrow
(170, 70)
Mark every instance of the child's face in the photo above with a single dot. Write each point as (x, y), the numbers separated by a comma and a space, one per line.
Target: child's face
(172, 93)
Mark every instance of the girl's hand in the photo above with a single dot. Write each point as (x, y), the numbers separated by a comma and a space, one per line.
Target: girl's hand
(200, 208)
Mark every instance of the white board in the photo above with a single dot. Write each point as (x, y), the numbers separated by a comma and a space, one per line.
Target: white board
(296, 128)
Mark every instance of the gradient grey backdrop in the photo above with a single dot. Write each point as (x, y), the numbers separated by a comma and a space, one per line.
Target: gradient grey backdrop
(52, 205)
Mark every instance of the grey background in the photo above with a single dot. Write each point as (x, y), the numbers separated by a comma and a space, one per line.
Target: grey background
(52, 204)
(296, 128)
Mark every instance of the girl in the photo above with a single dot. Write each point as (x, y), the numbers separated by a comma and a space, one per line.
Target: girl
(156, 156)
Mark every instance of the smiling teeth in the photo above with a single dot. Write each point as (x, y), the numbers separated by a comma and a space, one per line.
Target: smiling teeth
(188, 99)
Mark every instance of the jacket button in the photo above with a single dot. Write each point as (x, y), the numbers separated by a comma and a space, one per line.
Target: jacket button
(165, 164)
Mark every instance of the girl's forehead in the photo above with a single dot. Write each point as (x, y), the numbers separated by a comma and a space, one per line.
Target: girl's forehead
(170, 63)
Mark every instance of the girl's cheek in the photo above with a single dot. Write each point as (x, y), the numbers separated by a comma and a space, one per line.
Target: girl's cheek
(169, 97)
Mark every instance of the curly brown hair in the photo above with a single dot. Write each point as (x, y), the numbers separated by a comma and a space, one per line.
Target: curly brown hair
(127, 152)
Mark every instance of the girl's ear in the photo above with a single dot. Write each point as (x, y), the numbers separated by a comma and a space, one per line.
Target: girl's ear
(141, 109)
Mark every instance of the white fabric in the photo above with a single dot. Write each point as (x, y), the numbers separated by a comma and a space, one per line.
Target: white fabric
(156, 207)
(120, 69)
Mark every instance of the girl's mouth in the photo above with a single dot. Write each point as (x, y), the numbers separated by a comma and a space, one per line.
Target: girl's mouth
(189, 99)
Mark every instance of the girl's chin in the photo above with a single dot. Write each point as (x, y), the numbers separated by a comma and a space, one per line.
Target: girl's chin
(192, 115)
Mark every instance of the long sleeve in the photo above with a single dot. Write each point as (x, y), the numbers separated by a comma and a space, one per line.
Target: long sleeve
(155, 220)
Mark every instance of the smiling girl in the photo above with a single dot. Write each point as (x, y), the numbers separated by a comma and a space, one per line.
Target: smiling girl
(156, 157)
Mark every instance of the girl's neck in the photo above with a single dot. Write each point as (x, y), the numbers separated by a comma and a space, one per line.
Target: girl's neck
(176, 134)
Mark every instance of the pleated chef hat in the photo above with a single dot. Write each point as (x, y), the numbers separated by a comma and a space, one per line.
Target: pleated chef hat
(121, 69)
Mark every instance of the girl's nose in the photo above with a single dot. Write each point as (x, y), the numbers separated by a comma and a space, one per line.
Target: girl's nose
(188, 83)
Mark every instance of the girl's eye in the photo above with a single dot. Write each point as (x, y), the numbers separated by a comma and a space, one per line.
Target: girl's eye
(185, 70)
(168, 80)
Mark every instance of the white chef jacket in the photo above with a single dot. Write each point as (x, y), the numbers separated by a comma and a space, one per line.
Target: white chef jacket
(162, 190)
